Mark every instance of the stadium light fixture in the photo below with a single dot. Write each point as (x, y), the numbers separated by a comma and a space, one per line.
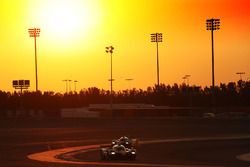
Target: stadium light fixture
(35, 32)
(157, 37)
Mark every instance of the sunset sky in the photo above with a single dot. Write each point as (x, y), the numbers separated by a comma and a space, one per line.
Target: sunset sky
(74, 34)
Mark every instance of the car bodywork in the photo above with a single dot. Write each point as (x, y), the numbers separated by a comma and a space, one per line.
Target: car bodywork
(117, 152)
(125, 141)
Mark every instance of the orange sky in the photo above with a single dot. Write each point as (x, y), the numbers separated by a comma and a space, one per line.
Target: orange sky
(74, 34)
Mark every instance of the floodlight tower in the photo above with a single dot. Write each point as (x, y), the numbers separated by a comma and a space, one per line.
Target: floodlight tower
(35, 32)
(213, 24)
(129, 80)
(109, 49)
(157, 37)
(75, 81)
(66, 81)
(69, 85)
(186, 77)
(240, 73)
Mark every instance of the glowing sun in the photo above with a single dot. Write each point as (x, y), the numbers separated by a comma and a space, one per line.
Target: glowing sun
(69, 18)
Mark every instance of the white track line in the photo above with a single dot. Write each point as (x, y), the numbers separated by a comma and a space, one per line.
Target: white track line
(51, 156)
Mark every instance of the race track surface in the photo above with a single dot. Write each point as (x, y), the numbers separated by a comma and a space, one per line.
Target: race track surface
(20, 139)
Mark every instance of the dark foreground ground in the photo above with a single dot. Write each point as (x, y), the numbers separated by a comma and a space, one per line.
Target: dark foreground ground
(18, 138)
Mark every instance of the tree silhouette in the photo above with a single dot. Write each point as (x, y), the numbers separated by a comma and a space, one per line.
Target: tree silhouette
(226, 95)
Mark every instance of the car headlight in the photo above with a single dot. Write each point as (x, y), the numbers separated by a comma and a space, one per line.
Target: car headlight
(132, 152)
(112, 153)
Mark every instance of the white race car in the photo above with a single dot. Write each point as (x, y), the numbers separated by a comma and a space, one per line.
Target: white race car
(117, 152)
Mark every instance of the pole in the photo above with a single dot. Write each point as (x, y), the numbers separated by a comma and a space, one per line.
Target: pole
(212, 33)
(75, 86)
(157, 37)
(66, 86)
(69, 85)
(111, 85)
(36, 62)
(158, 78)
(213, 90)
(213, 24)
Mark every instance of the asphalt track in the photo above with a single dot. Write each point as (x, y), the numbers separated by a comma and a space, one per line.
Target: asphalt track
(76, 155)
(167, 142)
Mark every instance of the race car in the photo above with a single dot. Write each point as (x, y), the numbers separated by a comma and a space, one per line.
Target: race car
(117, 151)
(125, 141)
